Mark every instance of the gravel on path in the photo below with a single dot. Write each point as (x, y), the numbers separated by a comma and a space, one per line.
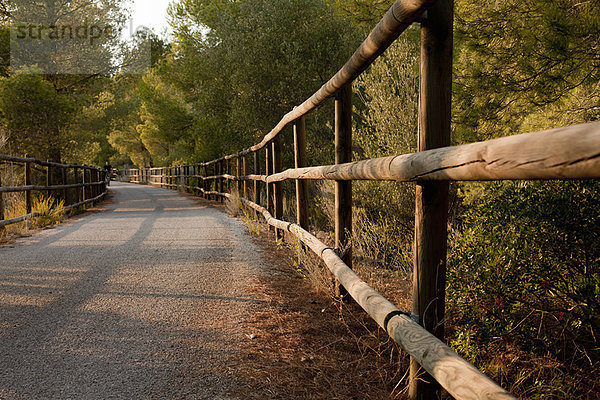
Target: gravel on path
(143, 300)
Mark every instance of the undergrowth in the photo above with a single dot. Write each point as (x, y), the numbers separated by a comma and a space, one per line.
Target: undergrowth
(50, 209)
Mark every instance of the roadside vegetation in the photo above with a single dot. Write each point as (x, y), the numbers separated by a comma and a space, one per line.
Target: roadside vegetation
(51, 212)
(523, 301)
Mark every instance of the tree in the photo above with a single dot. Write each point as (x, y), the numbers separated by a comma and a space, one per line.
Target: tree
(242, 65)
(35, 115)
(518, 60)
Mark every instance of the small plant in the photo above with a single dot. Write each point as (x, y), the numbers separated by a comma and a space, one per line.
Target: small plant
(233, 204)
(51, 211)
(312, 268)
(252, 224)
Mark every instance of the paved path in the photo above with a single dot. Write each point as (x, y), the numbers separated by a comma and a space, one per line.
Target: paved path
(143, 300)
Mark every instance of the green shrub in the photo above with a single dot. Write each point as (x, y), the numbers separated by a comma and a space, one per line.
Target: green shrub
(524, 269)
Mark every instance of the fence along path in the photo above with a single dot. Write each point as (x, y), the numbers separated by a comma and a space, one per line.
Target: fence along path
(565, 153)
(89, 184)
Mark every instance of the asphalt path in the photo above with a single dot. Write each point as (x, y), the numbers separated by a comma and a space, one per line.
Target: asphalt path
(144, 299)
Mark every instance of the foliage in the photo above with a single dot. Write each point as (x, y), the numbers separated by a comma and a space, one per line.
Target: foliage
(240, 78)
(34, 114)
(50, 209)
(386, 124)
(525, 269)
(51, 213)
(515, 59)
(364, 14)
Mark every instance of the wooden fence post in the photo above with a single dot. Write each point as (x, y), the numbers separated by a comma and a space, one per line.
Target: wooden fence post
(431, 212)
(27, 183)
(83, 181)
(192, 174)
(65, 180)
(277, 186)
(269, 171)
(49, 178)
(256, 182)
(216, 168)
(212, 183)
(299, 162)
(76, 180)
(238, 173)
(222, 180)
(205, 185)
(228, 171)
(343, 189)
(95, 178)
(245, 173)
(184, 178)
(181, 172)
(1, 204)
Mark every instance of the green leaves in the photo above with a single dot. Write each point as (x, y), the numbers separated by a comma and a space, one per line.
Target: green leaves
(35, 115)
(518, 63)
(528, 253)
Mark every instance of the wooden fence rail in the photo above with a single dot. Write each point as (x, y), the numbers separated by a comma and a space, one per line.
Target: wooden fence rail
(89, 184)
(565, 153)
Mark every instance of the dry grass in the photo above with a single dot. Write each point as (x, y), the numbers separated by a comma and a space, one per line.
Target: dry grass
(51, 210)
(308, 347)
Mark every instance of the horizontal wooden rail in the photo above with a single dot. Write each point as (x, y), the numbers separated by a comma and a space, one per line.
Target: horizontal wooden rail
(16, 220)
(4, 157)
(565, 153)
(83, 203)
(16, 189)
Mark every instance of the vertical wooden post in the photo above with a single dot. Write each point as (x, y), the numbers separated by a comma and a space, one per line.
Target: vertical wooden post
(194, 173)
(205, 186)
(343, 189)
(1, 204)
(222, 180)
(431, 211)
(49, 179)
(227, 182)
(181, 171)
(92, 181)
(76, 180)
(28, 183)
(269, 171)
(95, 191)
(212, 168)
(245, 173)
(83, 182)
(184, 178)
(65, 181)
(216, 172)
(299, 162)
(256, 182)
(238, 173)
(277, 186)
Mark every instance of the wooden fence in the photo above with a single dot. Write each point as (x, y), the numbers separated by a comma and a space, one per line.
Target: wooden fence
(76, 185)
(565, 153)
